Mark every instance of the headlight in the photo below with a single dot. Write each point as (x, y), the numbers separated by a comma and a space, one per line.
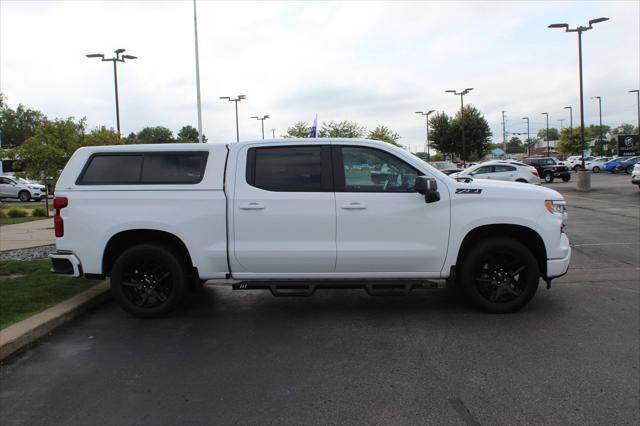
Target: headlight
(556, 206)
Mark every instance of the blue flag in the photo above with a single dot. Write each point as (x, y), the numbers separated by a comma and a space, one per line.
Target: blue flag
(314, 129)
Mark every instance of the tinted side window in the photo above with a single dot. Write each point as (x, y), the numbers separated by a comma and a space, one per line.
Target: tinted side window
(112, 170)
(173, 168)
(372, 170)
(289, 168)
(501, 168)
(483, 170)
(144, 168)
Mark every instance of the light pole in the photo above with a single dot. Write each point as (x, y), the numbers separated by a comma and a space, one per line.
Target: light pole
(570, 117)
(504, 135)
(198, 98)
(236, 100)
(528, 138)
(600, 113)
(461, 94)
(637, 92)
(561, 120)
(426, 114)
(580, 30)
(261, 119)
(273, 132)
(546, 136)
(118, 58)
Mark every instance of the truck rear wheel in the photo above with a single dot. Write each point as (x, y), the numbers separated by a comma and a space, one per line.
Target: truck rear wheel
(499, 275)
(548, 177)
(149, 280)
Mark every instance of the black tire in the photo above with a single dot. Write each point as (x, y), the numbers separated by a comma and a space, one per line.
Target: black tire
(577, 168)
(149, 280)
(521, 181)
(566, 178)
(24, 196)
(548, 177)
(596, 169)
(499, 275)
(628, 170)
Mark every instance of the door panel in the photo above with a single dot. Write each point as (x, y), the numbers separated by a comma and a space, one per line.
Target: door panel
(383, 225)
(285, 220)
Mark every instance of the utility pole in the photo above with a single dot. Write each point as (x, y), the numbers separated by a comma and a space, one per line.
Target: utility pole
(637, 92)
(546, 136)
(115, 60)
(504, 135)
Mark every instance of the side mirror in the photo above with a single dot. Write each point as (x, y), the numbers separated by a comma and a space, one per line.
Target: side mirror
(428, 187)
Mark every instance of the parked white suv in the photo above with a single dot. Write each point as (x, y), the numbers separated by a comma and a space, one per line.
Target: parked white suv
(296, 215)
(22, 189)
(502, 170)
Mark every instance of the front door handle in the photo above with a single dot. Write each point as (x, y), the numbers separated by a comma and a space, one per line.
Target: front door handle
(252, 206)
(354, 206)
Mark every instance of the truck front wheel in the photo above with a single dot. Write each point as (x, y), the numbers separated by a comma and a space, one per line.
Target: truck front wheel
(499, 275)
(149, 280)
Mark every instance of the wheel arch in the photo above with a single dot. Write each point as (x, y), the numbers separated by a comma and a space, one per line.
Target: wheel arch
(125, 239)
(527, 236)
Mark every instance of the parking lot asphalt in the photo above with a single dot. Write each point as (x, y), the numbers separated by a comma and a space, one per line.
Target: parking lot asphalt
(341, 357)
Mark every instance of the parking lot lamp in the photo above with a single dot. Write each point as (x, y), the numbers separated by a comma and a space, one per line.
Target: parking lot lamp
(261, 119)
(637, 92)
(546, 136)
(118, 58)
(528, 137)
(570, 117)
(580, 29)
(426, 114)
(461, 94)
(600, 112)
(236, 100)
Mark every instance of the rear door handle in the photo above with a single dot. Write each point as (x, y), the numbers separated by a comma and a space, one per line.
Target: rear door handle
(354, 206)
(252, 206)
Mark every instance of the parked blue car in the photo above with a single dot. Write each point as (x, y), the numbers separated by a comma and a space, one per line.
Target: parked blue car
(626, 164)
(610, 166)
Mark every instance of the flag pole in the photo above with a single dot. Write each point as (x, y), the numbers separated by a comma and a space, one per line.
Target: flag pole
(195, 27)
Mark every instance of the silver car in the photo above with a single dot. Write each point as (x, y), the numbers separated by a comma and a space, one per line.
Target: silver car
(22, 189)
(510, 170)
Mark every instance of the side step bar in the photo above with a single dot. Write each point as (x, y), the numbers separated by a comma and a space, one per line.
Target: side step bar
(308, 288)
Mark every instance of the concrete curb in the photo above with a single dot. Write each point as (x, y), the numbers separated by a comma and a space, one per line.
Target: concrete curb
(21, 334)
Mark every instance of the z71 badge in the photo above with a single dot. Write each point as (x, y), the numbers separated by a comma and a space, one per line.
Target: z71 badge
(468, 191)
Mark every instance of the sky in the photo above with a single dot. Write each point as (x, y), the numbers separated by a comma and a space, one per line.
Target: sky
(375, 63)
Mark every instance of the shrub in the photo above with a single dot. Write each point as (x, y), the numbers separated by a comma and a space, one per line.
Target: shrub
(39, 212)
(3, 214)
(17, 212)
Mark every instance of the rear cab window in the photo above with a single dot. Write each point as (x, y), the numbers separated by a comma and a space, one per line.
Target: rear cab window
(148, 168)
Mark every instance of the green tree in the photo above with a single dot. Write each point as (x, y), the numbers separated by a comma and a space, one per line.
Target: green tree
(343, 129)
(299, 129)
(595, 130)
(623, 129)
(46, 152)
(383, 133)
(17, 125)
(441, 135)
(131, 138)
(156, 134)
(477, 133)
(189, 134)
(554, 135)
(102, 136)
(570, 142)
(515, 146)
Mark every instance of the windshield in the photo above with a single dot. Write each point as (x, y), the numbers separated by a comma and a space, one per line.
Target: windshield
(23, 180)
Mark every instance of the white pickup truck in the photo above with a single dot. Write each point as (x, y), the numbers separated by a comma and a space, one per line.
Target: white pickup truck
(295, 215)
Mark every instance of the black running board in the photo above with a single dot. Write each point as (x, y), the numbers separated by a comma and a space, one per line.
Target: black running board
(308, 288)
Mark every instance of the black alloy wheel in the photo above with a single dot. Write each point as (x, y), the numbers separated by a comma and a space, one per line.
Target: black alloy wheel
(149, 280)
(500, 275)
